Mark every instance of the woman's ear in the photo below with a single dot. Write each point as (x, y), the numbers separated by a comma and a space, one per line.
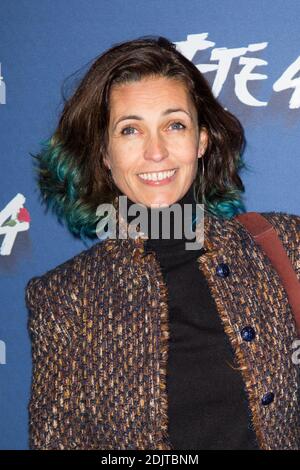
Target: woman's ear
(203, 142)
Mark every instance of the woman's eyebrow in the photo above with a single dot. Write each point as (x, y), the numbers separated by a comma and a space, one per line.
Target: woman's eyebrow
(140, 118)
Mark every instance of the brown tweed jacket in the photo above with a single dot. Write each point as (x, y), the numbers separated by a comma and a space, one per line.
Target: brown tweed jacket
(99, 331)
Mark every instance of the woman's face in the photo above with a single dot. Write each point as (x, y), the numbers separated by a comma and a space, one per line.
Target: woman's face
(154, 141)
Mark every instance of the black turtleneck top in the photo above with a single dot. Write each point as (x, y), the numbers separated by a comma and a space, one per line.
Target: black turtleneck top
(207, 402)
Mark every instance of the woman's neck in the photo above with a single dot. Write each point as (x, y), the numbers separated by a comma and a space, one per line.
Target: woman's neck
(176, 226)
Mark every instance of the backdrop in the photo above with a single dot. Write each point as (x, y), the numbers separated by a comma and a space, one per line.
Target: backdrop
(249, 51)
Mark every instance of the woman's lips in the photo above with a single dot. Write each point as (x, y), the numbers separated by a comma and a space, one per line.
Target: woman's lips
(158, 183)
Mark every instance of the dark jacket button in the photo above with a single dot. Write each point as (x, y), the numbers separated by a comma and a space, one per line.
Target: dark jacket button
(248, 333)
(222, 270)
(267, 398)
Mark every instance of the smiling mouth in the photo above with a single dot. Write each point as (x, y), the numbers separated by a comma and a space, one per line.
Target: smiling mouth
(158, 175)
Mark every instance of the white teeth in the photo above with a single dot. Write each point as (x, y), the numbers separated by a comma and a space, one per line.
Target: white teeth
(157, 176)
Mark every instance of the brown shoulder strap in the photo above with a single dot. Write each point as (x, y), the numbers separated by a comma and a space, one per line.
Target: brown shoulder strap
(266, 236)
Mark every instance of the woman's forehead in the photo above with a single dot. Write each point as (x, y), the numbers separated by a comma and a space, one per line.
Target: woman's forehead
(149, 93)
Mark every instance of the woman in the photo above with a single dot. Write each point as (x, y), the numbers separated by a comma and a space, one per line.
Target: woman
(137, 342)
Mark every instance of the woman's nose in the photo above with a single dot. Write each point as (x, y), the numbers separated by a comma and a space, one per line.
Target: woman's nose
(155, 149)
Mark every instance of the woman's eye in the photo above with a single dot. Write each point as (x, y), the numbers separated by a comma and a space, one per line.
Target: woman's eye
(175, 123)
(125, 128)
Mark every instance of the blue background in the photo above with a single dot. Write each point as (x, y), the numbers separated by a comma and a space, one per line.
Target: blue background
(43, 42)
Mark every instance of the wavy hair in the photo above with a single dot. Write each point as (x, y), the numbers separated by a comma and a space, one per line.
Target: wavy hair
(72, 177)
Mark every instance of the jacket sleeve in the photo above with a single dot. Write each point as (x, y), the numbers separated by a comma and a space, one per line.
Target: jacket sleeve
(297, 255)
(54, 412)
(292, 223)
(287, 226)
